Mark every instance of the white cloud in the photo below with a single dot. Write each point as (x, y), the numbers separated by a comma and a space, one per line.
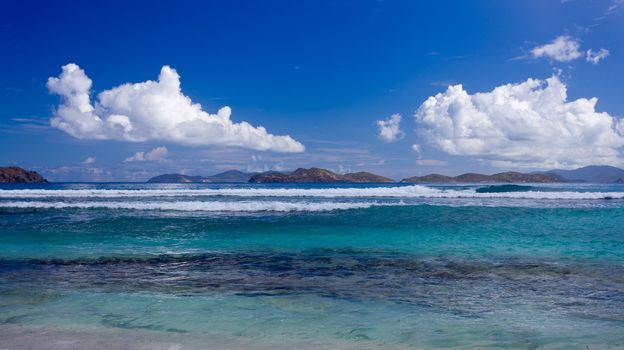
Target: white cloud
(563, 49)
(595, 57)
(431, 162)
(390, 130)
(158, 153)
(280, 167)
(257, 168)
(615, 5)
(416, 148)
(137, 157)
(529, 124)
(89, 160)
(152, 110)
(344, 169)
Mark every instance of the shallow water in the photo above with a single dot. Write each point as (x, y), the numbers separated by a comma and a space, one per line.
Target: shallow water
(356, 266)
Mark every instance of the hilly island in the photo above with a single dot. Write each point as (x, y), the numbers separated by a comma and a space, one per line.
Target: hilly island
(589, 174)
(506, 177)
(232, 176)
(317, 175)
(15, 174)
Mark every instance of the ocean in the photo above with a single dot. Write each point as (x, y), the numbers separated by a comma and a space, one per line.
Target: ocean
(311, 266)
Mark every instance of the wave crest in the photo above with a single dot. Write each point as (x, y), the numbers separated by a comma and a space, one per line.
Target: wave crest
(238, 206)
(414, 191)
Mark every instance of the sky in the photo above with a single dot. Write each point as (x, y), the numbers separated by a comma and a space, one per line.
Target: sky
(126, 90)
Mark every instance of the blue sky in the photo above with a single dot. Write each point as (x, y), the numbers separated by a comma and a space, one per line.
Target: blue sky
(323, 73)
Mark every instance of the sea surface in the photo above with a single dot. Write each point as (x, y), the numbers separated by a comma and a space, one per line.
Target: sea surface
(177, 266)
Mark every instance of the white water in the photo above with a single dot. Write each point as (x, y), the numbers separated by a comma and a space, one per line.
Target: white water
(238, 206)
(416, 191)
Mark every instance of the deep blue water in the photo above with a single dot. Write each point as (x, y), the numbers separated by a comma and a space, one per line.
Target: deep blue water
(390, 265)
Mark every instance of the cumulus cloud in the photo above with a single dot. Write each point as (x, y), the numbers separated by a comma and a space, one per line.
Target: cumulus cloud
(563, 49)
(89, 160)
(152, 110)
(390, 129)
(431, 162)
(158, 153)
(529, 124)
(280, 167)
(595, 57)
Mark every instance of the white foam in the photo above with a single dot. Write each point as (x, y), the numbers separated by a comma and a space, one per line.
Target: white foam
(415, 191)
(238, 206)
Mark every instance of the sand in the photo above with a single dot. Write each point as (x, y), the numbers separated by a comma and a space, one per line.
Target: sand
(74, 338)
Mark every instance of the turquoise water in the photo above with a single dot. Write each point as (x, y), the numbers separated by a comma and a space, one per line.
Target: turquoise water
(382, 266)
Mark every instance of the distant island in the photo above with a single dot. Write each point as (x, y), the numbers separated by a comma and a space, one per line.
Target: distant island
(506, 177)
(317, 175)
(299, 175)
(233, 176)
(590, 174)
(15, 174)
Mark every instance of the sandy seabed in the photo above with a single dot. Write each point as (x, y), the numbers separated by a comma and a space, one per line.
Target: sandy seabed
(74, 338)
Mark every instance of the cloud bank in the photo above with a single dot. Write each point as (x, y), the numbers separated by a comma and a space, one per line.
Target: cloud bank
(530, 124)
(152, 110)
(390, 130)
(158, 153)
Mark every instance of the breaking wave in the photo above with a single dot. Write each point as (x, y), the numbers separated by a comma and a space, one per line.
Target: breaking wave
(238, 206)
(415, 191)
